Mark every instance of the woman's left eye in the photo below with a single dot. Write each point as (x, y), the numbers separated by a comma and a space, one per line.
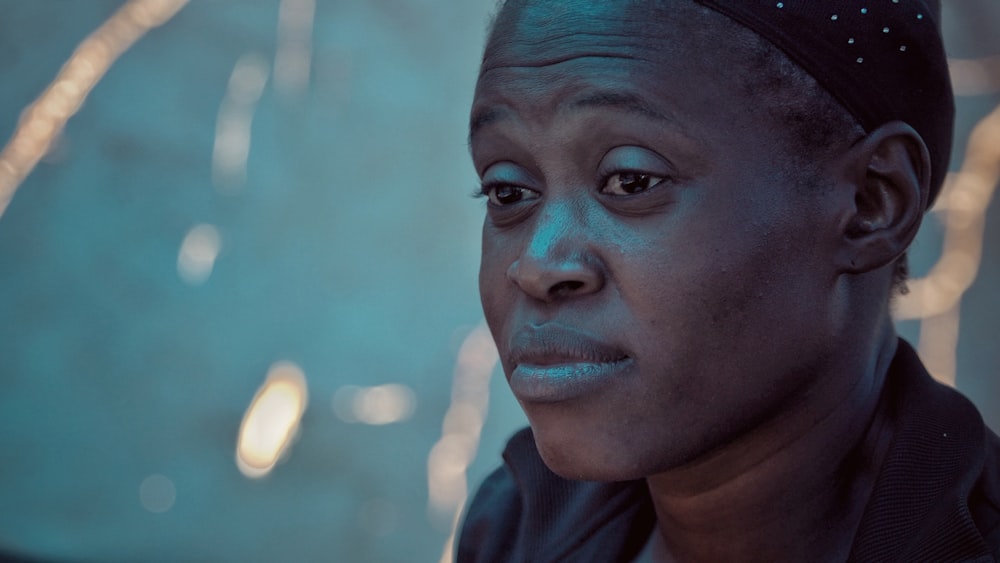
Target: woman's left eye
(629, 183)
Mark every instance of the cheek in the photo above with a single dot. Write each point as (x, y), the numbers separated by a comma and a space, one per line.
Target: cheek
(709, 293)
(494, 289)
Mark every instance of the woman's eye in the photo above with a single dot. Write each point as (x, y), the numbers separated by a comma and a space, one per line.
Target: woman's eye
(629, 183)
(506, 194)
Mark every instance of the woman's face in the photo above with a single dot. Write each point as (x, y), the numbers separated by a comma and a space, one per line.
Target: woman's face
(654, 279)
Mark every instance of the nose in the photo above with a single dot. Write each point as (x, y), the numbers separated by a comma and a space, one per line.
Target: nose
(559, 261)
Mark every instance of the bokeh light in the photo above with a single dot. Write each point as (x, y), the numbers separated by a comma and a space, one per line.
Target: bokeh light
(450, 457)
(157, 493)
(935, 299)
(271, 423)
(235, 122)
(197, 255)
(293, 57)
(975, 77)
(378, 405)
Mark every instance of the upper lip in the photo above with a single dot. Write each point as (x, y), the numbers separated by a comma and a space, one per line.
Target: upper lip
(554, 345)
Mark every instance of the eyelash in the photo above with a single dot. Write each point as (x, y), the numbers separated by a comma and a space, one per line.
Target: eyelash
(482, 190)
(636, 174)
(486, 187)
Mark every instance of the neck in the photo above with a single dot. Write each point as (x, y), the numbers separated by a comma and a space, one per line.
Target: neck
(792, 489)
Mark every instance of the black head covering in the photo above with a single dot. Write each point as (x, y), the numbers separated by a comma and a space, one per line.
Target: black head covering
(883, 60)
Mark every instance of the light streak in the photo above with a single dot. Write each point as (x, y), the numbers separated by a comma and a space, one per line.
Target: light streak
(451, 455)
(975, 77)
(43, 120)
(235, 121)
(938, 345)
(293, 56)
(936, 298)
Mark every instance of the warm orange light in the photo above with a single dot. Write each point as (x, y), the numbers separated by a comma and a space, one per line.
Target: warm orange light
(936, 298)
(450, 457)
(975, 77)
(271, 423)
(43, 121)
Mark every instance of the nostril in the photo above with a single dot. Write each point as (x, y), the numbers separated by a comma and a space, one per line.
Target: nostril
(565, 287)
(548, 278)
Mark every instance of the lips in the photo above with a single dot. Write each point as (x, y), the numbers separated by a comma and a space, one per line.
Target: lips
(553, 363)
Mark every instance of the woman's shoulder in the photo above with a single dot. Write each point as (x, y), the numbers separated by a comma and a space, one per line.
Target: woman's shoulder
(523, 511)
(985, 500)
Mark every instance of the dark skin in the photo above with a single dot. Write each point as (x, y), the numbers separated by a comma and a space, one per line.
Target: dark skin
(671, 298)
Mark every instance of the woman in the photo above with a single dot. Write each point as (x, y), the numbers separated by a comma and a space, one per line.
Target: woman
(698, 214)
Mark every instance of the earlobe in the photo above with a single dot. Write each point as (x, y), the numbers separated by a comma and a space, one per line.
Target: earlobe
(889, 171)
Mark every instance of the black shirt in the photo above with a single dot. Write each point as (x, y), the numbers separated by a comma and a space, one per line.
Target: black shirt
(936, 497)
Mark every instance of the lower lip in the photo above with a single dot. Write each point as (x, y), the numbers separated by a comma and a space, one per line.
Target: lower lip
(561, 382)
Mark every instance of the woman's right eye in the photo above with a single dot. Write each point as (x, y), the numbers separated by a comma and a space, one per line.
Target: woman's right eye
(506, 194)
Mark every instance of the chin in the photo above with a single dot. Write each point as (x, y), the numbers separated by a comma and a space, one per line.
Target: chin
(591, 458)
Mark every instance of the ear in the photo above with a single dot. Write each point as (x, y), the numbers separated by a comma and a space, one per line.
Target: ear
(888, 173)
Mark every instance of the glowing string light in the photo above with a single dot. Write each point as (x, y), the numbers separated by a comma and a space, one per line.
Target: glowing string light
(293, 56)
(43, 121)
(379, 405)
(231, 150)
(936, 298)
(975, 77)
(452, 454)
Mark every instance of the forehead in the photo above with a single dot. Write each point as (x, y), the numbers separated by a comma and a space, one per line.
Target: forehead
(662, 60)
(541, 32)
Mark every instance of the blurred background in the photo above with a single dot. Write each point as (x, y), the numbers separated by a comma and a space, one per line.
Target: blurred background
(238, 308)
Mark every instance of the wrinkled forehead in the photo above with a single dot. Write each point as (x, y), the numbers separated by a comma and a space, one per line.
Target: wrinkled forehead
(543, 55)
(541, 33)
(545, 58)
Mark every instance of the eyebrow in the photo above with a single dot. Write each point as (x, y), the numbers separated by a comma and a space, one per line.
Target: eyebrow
(631, 103)
(628, 102)
(483, 118)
